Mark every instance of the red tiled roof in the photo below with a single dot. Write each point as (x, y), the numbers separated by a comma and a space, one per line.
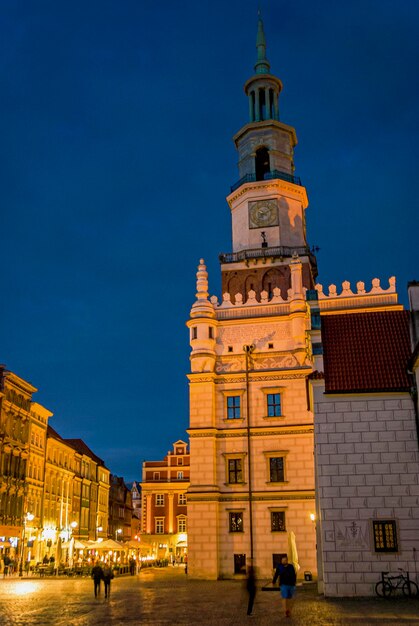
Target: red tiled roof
(366, 351)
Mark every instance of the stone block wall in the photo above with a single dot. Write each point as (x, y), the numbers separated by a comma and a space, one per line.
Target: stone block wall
(367, 468)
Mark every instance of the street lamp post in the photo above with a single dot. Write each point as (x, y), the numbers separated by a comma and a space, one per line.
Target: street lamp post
(27, 518)
(118, 532)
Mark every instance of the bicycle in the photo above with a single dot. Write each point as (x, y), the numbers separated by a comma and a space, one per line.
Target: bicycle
(389, 583)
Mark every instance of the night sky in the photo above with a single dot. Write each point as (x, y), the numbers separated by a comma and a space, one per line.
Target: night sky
(116, 121)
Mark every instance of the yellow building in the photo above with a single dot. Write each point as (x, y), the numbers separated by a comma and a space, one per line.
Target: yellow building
(15, 407)
(76, 494)
(61, 516)
(251, 497)
(39, 417)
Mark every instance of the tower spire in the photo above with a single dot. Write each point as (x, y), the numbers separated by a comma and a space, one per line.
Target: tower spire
(262, 64)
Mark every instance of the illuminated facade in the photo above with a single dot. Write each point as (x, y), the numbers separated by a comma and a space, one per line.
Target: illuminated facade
(15, 422)
(39, 417)
(163, 488)
(251, 425)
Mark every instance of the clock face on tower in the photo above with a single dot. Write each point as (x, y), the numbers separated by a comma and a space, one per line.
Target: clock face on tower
(263, 213)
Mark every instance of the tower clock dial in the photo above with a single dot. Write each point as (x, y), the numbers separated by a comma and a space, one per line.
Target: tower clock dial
(263, 213)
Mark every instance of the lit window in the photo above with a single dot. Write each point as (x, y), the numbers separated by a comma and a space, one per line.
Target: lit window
(159, 525)
(180, 475)
(277, 521)
(233, 407)
(385, 536)
(274, 404)
(159, 499)
(276, 469)
(235, 471)
(236, 522)
(182, 498)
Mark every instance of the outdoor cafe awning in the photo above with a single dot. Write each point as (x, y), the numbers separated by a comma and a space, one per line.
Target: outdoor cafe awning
(108, 544)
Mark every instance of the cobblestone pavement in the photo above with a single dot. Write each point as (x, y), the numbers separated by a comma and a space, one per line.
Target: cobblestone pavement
(168, 596)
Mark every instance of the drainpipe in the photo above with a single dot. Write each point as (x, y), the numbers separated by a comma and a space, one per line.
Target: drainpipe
(248, 349)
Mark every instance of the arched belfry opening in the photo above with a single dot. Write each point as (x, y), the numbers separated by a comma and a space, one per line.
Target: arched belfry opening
(262, 163)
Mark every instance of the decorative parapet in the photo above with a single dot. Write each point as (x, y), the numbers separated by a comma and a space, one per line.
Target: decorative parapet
(348, 299)
(251, 307)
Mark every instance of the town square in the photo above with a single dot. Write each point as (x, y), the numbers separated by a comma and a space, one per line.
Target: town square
(209, 407)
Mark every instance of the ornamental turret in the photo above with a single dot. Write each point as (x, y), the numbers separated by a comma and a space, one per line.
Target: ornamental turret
(202, 325)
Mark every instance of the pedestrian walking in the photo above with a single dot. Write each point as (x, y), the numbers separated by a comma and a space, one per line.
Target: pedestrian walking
(6, 565)
(97, 575)
(251, 588)
(287, 581)
(107, 577)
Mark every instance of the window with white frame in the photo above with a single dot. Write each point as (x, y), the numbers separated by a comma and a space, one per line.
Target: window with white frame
(159, 525)
(182, 499)
(181, 524)
(180, 475)
(159, 499)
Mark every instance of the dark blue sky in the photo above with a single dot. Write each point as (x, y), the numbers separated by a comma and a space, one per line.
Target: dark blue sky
(116, 156)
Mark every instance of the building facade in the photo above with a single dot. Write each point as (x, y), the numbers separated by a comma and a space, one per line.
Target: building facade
(251, 493)
(50, 488)
(120, 510)
(366, 445)
(15, 427)
(163, 487)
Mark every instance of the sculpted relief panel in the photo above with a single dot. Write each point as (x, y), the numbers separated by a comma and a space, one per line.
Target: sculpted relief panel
(260, 335)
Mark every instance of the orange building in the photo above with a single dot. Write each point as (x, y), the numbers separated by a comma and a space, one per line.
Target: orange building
(164, 518)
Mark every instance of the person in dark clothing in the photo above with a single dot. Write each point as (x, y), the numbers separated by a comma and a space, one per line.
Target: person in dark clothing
(107, 577)
(251, 588)
(97, 575)
(287, 581)
(6, 564)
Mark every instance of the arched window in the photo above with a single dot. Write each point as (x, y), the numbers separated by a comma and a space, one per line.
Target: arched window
(262, 164)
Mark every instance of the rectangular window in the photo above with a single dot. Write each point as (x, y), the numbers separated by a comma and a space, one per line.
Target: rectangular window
(156, 475)
(210, 332)
(159, 525)
(239, 563)
(278, 521)
(181, 525)
(274, 404)
(236, 523)
(180, 461)
(182, 498)
(159, 499)
(194, 332)
(233, 407)
(180, 475)
(276, 469)
(385, 536)
(235, 472)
